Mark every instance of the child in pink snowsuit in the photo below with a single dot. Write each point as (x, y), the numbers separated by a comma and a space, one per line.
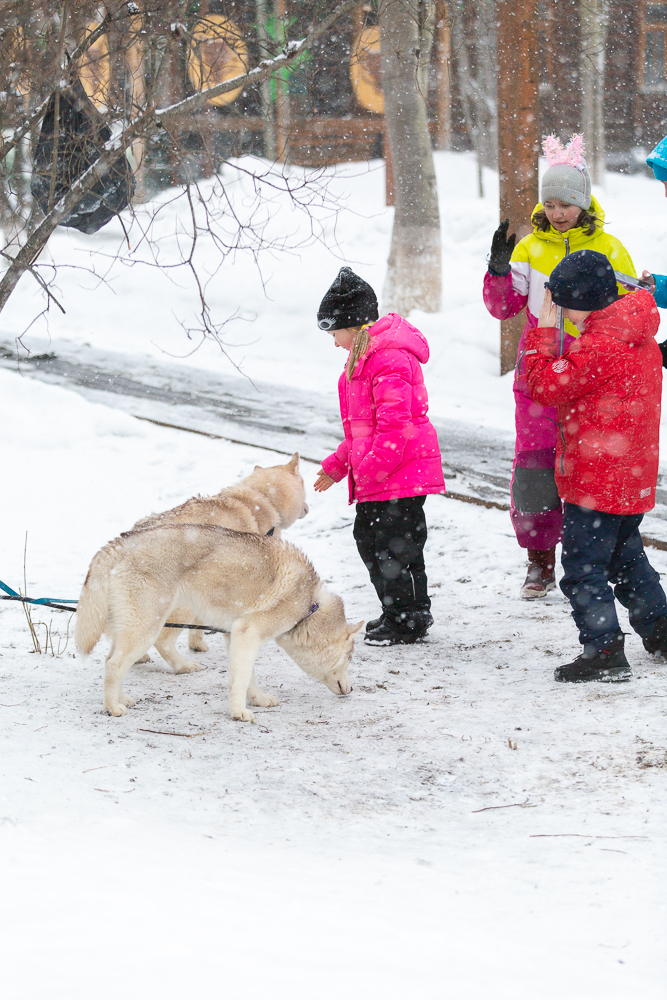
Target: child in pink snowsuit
(568, 219)
(390, 454)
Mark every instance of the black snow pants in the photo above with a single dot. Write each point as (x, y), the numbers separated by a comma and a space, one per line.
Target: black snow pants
(390, 537)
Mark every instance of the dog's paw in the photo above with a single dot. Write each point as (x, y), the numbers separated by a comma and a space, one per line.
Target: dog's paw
(143, 659)
(263, 700)
(116, 710)
(199, 646)
(242, 715)
(127, 700)
(188, 667)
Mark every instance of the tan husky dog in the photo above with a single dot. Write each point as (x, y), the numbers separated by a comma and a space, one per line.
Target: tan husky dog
(256, 588)
(263, 503)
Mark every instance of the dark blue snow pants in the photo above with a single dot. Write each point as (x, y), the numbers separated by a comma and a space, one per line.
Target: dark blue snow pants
(599, 549)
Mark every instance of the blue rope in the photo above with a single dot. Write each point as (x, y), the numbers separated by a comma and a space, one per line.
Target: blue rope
(47, 601)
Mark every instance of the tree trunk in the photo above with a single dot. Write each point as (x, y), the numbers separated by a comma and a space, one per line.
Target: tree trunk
(518, 135)
(444, 50)
(414, 279)
(593, 20)
(265, 88)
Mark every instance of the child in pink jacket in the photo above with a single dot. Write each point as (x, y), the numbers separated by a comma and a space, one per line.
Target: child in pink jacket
(390, 454)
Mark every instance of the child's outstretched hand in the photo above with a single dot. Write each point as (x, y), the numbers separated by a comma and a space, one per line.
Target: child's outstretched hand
(549, 312)
(323, 482)
(650, 281)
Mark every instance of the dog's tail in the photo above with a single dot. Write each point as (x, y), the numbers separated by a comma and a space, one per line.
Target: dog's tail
(92, 611)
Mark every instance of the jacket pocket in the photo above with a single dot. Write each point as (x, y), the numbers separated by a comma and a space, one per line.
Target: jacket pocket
(361, 400)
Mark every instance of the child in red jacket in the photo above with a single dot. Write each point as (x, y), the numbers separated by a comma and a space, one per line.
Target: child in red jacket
(390, 455)
(607, 387)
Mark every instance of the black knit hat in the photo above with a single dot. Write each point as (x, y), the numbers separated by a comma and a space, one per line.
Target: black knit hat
(583, 280)
(349, 302)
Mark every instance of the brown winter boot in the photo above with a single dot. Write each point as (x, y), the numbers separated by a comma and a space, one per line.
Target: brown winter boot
(541, 576)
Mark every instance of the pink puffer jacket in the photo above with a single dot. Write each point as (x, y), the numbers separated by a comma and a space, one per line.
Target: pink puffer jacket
(391, 448)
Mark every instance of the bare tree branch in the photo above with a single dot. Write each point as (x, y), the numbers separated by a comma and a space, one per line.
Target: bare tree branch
(147, 123)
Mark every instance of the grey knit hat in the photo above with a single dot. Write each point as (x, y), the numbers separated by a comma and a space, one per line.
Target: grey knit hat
(569, 184)
(567, 178)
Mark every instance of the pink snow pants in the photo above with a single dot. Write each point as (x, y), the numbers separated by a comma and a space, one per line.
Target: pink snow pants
(536, 509)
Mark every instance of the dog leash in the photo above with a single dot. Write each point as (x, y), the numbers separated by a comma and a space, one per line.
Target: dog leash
(49, 602)
(208, 629)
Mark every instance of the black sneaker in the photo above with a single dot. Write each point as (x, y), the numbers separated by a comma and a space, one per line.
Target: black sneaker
(608, 664)
(657, 641)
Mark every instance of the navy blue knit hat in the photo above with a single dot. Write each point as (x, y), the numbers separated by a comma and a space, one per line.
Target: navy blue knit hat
(583, 280)
(349, 302)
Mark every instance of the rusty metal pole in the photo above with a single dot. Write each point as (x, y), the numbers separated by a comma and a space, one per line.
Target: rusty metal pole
(518, 135)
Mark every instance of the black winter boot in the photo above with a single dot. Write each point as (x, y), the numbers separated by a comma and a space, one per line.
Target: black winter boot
(657, 641)
(371, 626)
(388, 634)
(407, 628)
(594, 664)
(416, 621)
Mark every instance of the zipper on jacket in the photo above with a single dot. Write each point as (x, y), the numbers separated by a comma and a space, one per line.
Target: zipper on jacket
(562, 455)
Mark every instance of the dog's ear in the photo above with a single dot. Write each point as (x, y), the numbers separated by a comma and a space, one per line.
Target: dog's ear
(353, 629)
(293, 464)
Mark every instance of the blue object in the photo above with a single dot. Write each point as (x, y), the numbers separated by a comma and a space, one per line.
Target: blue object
(657, 160)
(36, 600)
(661, 290)
(599, 549)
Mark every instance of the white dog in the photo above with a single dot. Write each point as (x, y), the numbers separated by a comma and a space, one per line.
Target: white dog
(255, 587)
(265, 502)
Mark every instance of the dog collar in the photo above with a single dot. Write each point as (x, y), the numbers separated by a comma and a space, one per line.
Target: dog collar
(313, 609)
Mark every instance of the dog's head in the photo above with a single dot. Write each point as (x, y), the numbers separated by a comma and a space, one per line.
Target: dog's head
(322, 644)
(283, 486)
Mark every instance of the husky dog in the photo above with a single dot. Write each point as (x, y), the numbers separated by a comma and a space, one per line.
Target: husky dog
(256, 588)
(264, 502)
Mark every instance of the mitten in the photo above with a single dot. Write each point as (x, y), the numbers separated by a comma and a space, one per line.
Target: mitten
(663, 351)
(502, 248)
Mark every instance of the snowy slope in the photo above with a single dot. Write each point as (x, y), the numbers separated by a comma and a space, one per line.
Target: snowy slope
(274, 338)
(132, 307)
(336, 846)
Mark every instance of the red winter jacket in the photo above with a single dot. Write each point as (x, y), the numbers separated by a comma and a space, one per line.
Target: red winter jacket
(391, 448)
(607, 387)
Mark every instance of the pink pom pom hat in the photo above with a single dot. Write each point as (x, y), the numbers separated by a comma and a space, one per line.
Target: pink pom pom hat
(566, 178)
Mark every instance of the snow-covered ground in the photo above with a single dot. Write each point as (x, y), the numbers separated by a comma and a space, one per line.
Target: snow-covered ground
(339, 846)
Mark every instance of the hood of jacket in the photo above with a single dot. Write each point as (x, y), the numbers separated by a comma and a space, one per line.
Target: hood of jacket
(392, 332)
(578, 238)
(633, 319)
